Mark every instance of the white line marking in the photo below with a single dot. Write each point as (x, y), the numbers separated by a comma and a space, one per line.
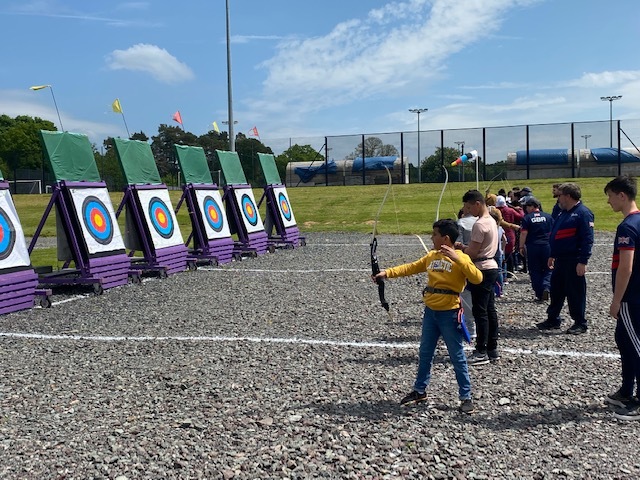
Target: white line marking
(265, 270)
(292, 340)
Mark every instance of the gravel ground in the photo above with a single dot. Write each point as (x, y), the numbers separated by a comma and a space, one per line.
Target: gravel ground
(286, 366)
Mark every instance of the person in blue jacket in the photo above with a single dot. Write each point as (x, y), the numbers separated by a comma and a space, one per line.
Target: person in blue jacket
(570, 243)
(534, 243)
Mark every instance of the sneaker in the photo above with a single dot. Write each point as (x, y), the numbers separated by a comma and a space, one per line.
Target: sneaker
(577, 329)
(493, 355)
(548, 325)
(618, 400)
(545, 295)
(414, 397)
(478, 358)
(466, 406)
(631, 412)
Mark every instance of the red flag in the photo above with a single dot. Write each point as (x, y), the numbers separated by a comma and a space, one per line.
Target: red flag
(177, 117)
(254, 132)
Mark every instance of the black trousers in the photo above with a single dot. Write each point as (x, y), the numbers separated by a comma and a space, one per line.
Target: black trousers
(484, 311)
(567, 285)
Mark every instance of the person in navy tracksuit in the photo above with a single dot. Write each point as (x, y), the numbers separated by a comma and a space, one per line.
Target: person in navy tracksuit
(534, 243)
(570, 242)
(625, 304)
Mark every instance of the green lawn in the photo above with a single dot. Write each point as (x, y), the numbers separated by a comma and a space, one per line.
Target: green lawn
(409, 209)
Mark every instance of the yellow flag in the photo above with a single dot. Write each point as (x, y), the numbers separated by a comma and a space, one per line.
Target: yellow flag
(117, 108)
(39, 87)
(215, 127)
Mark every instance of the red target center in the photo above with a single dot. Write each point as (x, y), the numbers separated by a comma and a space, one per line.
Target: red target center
(161, 218)
(1, 234)
(213, 214)
(97, 220)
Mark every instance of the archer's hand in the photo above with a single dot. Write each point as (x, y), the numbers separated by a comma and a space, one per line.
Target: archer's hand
(614, 309)
(381, 276)
(448, 251)
(581, 268)
(551, 262)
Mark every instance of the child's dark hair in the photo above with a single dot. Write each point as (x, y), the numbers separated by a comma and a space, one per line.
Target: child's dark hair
(447, 227)
(623, 184)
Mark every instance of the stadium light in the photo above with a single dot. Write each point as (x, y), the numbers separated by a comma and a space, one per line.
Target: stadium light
(419, 111)
(611, 100)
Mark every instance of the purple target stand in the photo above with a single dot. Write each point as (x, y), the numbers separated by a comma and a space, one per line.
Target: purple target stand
(252, 242)
(102, 270)
(287, 235)
(18, 284)
(206, 250)
(161, 260)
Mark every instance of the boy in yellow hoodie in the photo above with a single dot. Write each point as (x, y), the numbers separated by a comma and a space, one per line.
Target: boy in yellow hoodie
(448, 271)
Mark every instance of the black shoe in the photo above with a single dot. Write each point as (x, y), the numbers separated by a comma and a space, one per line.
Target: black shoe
(617, 399)
(577, 329)
(493, 355)
(477, 358)
(466, 406)
(548, 325)
(630, 412)
(414, 397)
(545, 296)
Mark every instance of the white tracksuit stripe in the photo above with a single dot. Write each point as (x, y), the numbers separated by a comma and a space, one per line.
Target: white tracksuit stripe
(628, 325)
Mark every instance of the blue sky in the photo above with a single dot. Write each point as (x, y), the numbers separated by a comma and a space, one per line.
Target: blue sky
(306, 68)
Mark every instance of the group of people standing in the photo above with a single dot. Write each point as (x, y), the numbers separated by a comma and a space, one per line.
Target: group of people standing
(466, 262)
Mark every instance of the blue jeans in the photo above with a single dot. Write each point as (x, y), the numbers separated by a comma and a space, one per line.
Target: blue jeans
(434, 325)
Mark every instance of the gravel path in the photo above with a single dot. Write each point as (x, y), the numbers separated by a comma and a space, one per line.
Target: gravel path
(286, 366)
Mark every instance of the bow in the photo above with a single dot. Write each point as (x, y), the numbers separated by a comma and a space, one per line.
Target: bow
(488, 189)
(446, 181)
(375, 267)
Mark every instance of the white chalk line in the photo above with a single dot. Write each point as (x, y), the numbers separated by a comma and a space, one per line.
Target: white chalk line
(291, 340)
(284, 270)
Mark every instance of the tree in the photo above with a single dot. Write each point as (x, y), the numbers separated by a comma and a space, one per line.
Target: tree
(20, 146)
(373, 147)
(248, 149)
(432, 166)
(163, 151)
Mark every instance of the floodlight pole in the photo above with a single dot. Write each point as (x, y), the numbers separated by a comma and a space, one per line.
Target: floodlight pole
(419, 111)
(586, 138)
(232, 139)
(611, 100)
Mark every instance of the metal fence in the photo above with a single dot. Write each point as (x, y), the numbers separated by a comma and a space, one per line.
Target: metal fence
(506, 151)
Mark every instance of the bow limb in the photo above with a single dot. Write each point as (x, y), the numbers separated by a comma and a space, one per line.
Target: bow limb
(423, 245)
(446, 181)
(375, 266)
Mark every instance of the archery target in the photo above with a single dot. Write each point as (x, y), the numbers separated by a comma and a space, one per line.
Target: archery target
(97, 219)
(248, 210)
(284, 207)
(159, 215)
(13, 247)
(215, 219)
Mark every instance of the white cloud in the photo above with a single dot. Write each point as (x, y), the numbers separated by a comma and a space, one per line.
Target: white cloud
(150, 59)
(606, 79)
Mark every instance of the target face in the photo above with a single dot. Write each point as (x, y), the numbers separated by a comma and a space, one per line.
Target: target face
(13, 247)
(161, 218)
(97, 219)
(215, 219)
(249, 212)
(159, 215)
(7, 235)
(286, 213)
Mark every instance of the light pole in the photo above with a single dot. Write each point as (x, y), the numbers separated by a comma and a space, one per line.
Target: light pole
(461, 169)
(419, 111)
(50, 87)
(586, 138)
(610, 100)
(230, 122)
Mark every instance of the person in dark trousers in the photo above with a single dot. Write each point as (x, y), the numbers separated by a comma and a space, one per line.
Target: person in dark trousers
(534, 244)
(556, 206)
(570, 242)
(448, 270)
(482, 249)
(625, 304)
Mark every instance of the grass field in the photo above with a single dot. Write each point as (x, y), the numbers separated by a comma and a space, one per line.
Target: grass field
(409, 209)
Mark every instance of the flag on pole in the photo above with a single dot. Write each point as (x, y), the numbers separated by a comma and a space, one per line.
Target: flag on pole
(178, 118)
(215, 127)
(254, 132)
(116, 107)
(38, 87)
